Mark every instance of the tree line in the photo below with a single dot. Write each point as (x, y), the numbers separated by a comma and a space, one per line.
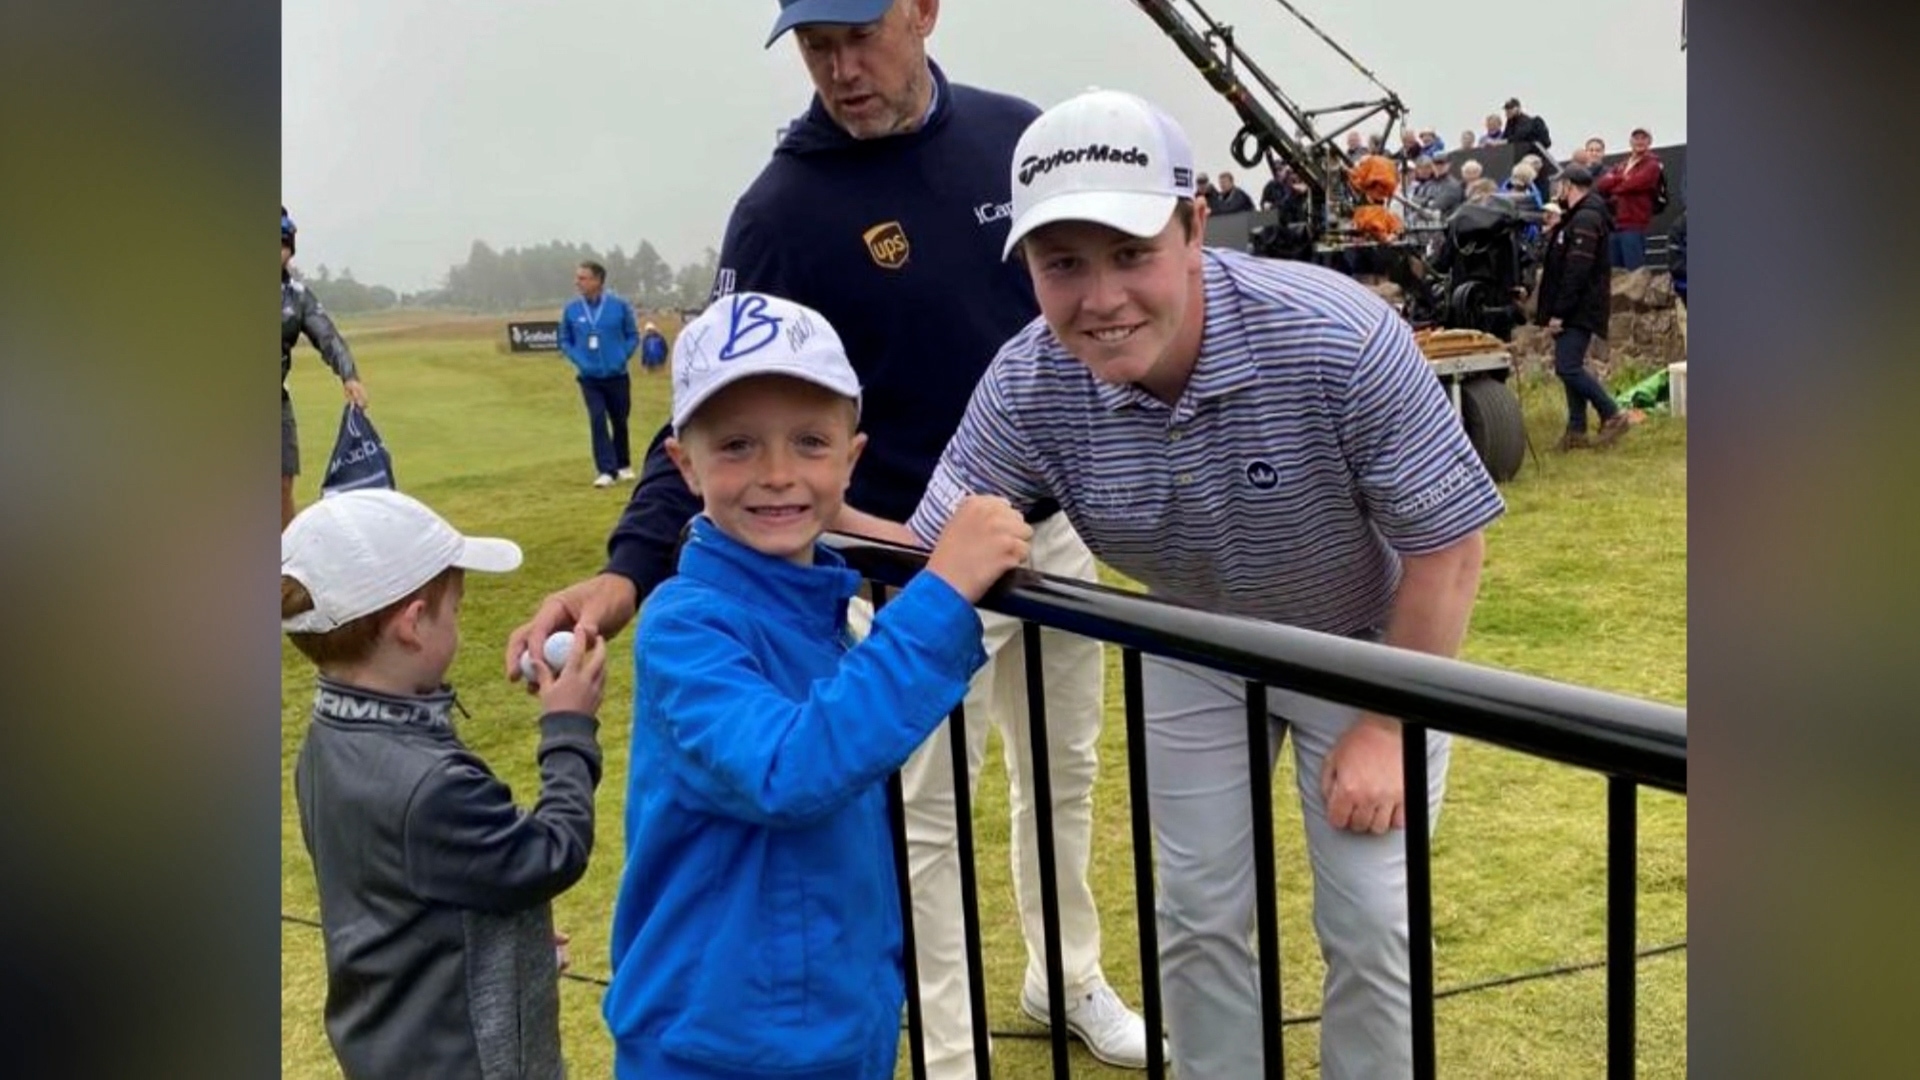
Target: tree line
(344, 295)
(522, 278)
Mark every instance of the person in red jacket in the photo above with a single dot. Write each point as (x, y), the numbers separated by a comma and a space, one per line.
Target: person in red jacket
(1629, 188)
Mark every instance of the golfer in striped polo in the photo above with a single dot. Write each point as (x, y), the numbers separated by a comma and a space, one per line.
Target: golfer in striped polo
(1248, 436)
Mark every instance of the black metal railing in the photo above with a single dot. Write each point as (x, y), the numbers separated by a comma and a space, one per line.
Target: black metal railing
(1633, 742)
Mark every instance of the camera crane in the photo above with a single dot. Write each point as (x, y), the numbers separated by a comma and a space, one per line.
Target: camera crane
(1315, 158)
(1473, 296)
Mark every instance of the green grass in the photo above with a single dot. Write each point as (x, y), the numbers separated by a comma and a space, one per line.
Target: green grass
(1585, 581)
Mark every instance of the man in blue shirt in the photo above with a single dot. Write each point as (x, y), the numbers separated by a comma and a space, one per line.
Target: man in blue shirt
(598, 334)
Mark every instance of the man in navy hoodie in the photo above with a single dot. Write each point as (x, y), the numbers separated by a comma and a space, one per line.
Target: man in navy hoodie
(885, 209)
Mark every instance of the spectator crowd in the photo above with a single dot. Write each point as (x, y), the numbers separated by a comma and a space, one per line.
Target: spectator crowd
(1633, 188)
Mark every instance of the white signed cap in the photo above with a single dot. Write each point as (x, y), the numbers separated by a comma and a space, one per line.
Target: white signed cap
(744, 334)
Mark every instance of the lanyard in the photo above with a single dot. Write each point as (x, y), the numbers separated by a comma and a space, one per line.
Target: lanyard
(593, 313)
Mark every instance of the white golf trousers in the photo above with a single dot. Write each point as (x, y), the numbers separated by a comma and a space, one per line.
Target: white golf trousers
(1075, 678)
(1198, 780)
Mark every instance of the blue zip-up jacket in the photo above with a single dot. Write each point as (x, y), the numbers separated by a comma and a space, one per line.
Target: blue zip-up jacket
(653, 349)
(757, 930)
(611, 321)
(897, 242)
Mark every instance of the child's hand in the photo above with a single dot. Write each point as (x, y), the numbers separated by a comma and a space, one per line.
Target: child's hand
(576, 687)
(983, 539)
(560, 957)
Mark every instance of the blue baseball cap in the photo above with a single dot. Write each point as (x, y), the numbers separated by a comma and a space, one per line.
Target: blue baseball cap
(841, 12)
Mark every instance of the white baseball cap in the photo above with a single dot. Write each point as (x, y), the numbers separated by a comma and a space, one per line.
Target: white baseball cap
(358, 551)
(749, 333)
(1105, 156)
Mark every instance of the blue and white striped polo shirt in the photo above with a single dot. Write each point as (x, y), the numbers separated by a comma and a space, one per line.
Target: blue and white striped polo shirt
(1311, 448)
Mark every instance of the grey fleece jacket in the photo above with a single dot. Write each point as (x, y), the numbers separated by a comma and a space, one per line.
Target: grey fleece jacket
(301, 312)
(435, 887)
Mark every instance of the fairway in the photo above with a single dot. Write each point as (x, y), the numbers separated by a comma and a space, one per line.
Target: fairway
(1585, 581)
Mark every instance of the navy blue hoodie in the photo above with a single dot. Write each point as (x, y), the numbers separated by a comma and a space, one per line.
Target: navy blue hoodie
(897, 242)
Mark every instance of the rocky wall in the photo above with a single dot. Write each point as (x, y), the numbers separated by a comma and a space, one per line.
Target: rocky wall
(1645, 330)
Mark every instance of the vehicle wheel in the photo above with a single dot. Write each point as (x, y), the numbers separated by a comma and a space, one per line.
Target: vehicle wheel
(1490, 411)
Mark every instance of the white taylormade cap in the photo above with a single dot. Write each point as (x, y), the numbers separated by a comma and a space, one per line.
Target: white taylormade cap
(358, 551)
(1104, 156)
(749, 333)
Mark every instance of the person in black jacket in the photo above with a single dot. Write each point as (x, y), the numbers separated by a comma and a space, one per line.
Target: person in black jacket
(1525, 132)
(435, 888)
(302, 313)
(1233, 199)
(1576, 283)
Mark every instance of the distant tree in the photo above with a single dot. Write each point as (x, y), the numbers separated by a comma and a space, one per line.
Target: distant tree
(346, 295)
(619, 272)
(693, 285)
(519, 279)
(472, 283)
(652, 277)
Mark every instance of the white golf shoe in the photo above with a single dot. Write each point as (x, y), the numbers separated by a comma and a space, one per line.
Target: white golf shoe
(1112, 1032)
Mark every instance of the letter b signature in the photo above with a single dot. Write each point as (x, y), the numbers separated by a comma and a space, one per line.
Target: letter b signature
(749, 327)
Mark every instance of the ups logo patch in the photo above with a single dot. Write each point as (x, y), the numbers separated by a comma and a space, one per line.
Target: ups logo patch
(887, 243)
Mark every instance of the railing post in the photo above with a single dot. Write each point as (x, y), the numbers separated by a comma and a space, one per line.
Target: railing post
(897, 817)
(1265, 888)
(1419, 854)
(1623, 855)
(1134, 688)
(969, 891)
(1043, 836)
(916, 1044)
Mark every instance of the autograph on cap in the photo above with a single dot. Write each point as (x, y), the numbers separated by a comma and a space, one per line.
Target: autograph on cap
(749, 328)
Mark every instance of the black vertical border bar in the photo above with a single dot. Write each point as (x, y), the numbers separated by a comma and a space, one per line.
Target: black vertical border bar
(1043, 835)
(1134, 684)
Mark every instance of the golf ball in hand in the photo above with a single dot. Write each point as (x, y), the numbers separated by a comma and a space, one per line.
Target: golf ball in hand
(558, 647)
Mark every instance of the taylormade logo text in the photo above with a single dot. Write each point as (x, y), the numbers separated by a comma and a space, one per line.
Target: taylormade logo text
(1098, 152)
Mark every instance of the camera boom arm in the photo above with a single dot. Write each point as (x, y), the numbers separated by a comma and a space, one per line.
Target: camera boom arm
(1312, 157)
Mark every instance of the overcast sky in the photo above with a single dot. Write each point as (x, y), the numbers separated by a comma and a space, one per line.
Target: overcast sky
(410, 128)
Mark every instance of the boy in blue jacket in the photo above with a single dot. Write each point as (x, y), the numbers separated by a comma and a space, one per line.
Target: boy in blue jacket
(653, 348)
(757, 931)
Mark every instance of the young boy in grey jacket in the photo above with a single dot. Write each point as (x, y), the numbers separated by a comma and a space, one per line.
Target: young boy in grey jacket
(434, 886)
